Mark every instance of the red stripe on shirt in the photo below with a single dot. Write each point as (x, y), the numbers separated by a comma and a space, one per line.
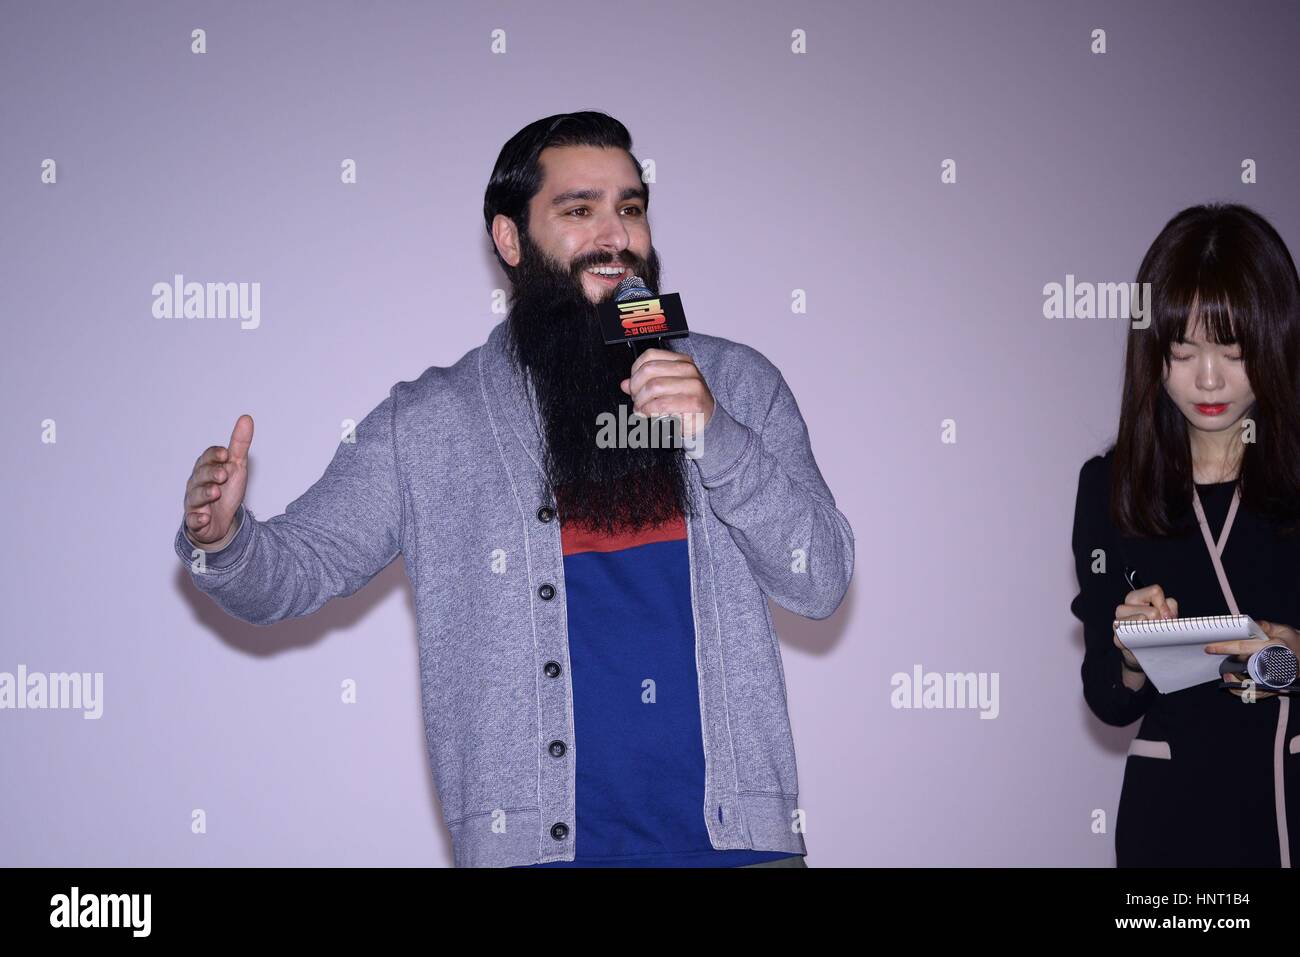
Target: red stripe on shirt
(575, 539)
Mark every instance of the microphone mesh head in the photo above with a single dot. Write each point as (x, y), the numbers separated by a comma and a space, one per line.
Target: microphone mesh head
(1274, 666)
(630, 288)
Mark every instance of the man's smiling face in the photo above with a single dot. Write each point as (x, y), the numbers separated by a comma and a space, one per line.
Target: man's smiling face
(589, 212)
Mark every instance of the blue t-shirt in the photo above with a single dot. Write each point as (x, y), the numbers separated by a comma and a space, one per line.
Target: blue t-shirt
(636, 707)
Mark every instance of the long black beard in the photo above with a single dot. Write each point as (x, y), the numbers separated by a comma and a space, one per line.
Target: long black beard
(554, 337)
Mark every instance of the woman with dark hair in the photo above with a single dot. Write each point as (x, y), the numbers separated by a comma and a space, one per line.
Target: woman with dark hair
(1200, 494)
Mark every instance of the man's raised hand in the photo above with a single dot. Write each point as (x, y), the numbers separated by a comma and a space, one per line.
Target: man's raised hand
(216, 488)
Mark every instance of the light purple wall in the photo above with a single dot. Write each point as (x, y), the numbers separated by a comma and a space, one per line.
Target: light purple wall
(775, 172)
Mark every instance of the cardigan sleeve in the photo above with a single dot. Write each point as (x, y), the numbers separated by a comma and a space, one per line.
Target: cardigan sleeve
(765, 486)
(1099, 593)
(329, 542)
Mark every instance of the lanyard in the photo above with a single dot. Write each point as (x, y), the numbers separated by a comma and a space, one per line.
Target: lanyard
(1284, 701)
(1216, 548)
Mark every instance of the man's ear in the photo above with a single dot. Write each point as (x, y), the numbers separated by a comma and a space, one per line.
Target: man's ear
(506, 236)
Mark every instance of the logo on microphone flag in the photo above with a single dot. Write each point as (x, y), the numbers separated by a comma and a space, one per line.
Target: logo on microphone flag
(658, 317)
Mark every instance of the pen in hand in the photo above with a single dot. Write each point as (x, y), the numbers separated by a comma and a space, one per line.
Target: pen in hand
(1133, 578)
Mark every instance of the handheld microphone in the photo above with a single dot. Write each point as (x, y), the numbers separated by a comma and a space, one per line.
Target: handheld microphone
(640, 317)
(632, 288)
(1273, 667)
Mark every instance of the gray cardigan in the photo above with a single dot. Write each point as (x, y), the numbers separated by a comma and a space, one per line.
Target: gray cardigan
(446, 472)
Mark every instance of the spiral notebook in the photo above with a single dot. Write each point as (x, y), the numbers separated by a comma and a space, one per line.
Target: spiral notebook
(1172, 650)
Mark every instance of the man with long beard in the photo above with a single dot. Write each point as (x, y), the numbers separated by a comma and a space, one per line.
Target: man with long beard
(554, 334)
(602, 684)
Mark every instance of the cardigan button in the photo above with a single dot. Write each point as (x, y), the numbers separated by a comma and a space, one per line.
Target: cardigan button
(545, 513)
(547, 592)
(552, 669)
(559, 831)
(556, 748)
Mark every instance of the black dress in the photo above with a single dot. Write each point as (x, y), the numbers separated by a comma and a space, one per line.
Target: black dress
(1209, 798)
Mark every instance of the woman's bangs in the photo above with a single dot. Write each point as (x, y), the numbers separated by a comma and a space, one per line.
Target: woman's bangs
(1212, 311)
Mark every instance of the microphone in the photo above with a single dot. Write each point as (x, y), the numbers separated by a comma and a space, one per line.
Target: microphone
(1273, 667)
(633, 288)
(637, 315)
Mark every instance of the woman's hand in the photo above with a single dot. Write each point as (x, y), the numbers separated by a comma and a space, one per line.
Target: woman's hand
(1242, 648)
(1283, 633)
(1149, 602)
